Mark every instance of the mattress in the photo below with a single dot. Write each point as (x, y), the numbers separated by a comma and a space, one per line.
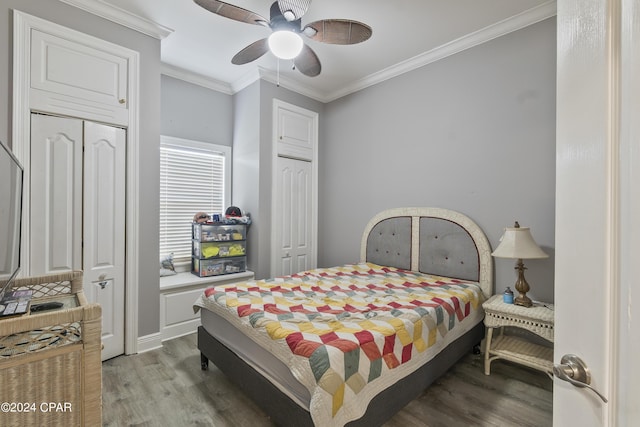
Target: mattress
(305, 332)
(260, 359)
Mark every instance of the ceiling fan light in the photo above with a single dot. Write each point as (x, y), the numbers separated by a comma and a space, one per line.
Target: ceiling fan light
(293, 9)
(285, 44)
(309, 31)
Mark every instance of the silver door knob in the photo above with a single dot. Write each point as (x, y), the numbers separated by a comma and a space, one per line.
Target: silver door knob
(103, 284)
(573, 370)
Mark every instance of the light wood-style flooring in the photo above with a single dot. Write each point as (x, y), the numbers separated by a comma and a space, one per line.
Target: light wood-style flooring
(166, 387)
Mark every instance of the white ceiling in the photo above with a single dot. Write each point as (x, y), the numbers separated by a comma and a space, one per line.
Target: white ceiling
(406, 34)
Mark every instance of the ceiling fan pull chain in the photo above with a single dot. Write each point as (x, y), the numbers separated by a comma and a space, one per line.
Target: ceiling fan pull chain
(278, 72)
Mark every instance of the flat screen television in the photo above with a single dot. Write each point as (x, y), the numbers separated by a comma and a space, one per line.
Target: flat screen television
(11, 176)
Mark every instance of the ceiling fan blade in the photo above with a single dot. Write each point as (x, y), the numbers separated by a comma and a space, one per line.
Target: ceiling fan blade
(307, 62)
(338, 31)
(293, 9)
(232, 12)
(250, 53)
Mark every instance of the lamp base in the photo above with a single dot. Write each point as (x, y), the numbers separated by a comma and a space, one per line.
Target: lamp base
(522, 287)
(523, 300)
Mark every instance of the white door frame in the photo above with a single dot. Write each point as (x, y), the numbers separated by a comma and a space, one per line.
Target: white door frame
(22, 25)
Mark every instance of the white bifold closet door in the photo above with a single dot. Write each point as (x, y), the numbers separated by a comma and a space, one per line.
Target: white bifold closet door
(77, 218)
(293, 201)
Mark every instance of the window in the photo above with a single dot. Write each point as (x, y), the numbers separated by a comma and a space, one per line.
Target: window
(194, 177)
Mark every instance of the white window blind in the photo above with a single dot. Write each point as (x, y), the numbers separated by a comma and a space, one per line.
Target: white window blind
(194, 177)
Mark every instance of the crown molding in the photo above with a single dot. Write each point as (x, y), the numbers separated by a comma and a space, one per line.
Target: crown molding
(260, 73)
(196, 79)
(246, 80)
(288, 83)
(514, 23)
(122, 17)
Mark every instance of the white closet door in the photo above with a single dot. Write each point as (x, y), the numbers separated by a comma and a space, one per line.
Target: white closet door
(293, 202)
(295, 189)
(55, 225)
(104, 229)
(77, 218)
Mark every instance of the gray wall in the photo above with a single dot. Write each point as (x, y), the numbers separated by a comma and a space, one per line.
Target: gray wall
(149, 49)
(193, 112)
(246, 168)
(474, 132)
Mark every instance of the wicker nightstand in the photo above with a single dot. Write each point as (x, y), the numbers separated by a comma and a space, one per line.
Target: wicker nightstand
(537, 319)
(53, 356)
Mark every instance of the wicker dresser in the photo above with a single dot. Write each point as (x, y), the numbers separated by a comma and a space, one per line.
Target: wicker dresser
(537, 319)
(50, 368)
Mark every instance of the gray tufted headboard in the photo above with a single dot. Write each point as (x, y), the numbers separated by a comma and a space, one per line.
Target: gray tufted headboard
(430, 240)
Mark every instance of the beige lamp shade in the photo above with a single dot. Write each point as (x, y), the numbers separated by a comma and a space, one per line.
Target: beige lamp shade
(518, 243)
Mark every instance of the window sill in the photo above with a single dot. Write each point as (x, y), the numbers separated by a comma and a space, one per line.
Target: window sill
(187, 279)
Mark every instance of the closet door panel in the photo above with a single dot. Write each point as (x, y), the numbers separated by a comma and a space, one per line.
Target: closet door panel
(285, 212)
(55, 225)
(104, 229)
(302, 197)
(294, 213)
(68, 76)
(295, 134)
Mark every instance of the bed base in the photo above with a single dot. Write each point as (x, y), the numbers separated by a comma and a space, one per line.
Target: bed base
(285, 412)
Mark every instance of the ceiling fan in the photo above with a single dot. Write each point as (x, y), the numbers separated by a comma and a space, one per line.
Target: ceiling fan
(285, 41)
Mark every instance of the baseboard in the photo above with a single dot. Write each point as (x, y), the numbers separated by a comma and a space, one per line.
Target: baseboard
(149, 342)
(180, 329)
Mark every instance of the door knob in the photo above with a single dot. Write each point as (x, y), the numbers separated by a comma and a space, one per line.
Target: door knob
(573, 370)
(103, 284)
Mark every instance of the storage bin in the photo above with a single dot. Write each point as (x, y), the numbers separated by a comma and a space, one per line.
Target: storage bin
(219, 232)
(217, 266)
(206, 250)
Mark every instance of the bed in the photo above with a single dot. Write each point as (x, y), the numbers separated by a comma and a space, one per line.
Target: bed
(353, 344)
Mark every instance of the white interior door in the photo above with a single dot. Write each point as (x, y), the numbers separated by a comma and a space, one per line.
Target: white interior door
(77, 216)
(597, 209)
(295, 188)
(293, 202)
(55, 217)
(104, 229)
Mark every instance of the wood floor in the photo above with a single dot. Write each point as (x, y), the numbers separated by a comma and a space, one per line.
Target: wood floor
(166, 387)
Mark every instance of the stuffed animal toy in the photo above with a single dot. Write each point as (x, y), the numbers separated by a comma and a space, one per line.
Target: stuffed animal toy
(166, 266)
(201, 217)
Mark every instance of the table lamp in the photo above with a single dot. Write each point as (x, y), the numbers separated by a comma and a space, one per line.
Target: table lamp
(517, 243)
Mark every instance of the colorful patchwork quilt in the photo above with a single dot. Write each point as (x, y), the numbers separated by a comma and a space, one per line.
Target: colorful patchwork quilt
(349, 332)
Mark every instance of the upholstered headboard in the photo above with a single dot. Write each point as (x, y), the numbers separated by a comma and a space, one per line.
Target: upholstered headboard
(435, 241)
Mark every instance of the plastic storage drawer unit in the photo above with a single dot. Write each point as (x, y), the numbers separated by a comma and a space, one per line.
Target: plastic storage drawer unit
(206, 250)
(218, 266)
(219, 232)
